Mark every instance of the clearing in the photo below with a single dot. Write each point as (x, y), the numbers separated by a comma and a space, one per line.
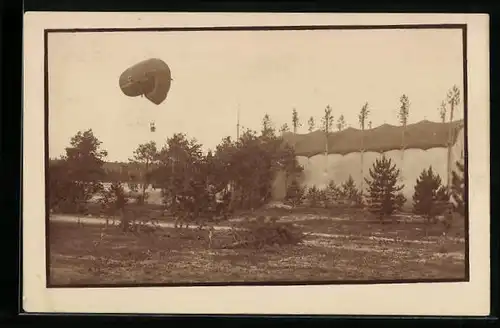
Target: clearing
(336, 248)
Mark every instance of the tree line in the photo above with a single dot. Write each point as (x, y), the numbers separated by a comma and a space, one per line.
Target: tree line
(383, 192)
(243, 169)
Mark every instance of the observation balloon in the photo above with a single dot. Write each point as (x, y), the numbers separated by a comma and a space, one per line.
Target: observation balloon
(150, 78)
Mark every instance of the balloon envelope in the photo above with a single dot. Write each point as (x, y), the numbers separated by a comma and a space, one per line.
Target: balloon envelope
(151, 78)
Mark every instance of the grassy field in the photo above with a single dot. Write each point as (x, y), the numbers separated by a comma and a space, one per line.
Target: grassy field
(335, 248)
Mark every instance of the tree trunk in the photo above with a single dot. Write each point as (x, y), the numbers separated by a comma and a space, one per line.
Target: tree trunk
(450, 140)
(144, 182)
(286, 183)
(125, 220)
(326, 155)
(233, 197)
(362, 162)
(403, 147)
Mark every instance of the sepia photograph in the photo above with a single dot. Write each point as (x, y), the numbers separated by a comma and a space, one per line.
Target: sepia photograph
(307, 155)
(256, 155)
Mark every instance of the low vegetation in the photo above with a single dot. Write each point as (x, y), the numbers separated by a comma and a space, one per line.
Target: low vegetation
(266, 232)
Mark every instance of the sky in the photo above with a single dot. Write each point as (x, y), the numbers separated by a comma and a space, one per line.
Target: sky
(260, 72)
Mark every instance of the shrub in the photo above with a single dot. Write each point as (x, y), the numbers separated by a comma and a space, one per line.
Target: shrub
(113, 203)
(295, 194)
(399, 201)
(266, 232)
(458, 189)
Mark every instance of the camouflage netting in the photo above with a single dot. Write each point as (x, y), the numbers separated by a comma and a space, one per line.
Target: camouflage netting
(422, 135)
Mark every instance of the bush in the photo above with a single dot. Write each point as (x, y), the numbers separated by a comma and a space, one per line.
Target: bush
(266, 232)
(295, 194)
(458, 189)
(399, 201)
(113, 203)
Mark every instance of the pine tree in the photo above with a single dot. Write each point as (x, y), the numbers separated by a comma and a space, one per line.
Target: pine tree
(341, 123)
(326, 125)
(333, 192)
(453, 99)
(323, 198)
(313, 196)
(430, 197)
(350, 192)
(145, 157)
(458, 189)
(268, 130)
(403, 114)
(113, 203)
(311, 124)
(295, 120)
(284, 128)
(442, 111)
(384, 195)
(362, 117)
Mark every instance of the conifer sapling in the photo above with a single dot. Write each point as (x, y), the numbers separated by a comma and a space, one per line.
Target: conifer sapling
(430, 197)
(384, 195)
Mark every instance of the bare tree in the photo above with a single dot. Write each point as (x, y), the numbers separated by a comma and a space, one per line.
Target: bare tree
(341, 123)
(295, 121)
(453, 99)
(362, 117)
(311, 124)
